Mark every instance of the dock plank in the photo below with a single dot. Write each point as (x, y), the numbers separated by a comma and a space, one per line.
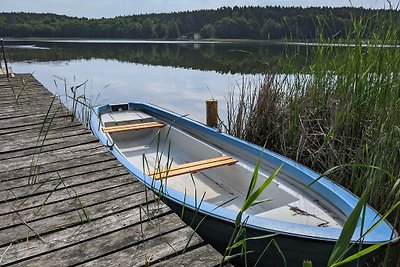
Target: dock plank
(151, 249)
(71, 204)
(203, 256)
(65, 238)
(67, 152)
(49, 145)
(67, 201)
(35, 127)
(40, 227)
(47, 186)
(47, 169)
(70, 170)
(10, 206)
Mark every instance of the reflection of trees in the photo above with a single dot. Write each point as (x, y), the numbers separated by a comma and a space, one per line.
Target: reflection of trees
(224, 58)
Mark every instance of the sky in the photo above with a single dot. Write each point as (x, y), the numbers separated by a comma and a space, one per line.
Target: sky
(112, 8)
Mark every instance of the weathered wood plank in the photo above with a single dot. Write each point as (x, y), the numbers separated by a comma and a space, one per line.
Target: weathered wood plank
(36, 126)
(30, 90)
(199, 257)
(46, 187)
(158, 240)
(31, 120)
(134, 219)
(26, 139)
(50, 145)
(95, 156)
(68, 219)
(65, 171)
(40, 101)
(22, 89)
(153, 249)
(19, 109)
(13, 111)
(71, 204)
(37, 152)
(24, 82)
(19, 81)
(35, 132)
(43, 102)
(19, 93)
(61, 195)
(50, 156)
(34, 148)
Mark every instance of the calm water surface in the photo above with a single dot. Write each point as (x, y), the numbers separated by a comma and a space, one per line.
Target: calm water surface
(178, 76)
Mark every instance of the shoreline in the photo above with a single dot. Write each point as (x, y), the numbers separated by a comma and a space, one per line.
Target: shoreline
(365, 43)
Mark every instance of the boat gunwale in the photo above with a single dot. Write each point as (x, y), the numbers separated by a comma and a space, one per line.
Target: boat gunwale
(330, 190)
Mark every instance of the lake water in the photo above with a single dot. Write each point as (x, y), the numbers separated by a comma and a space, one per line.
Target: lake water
(179, 76)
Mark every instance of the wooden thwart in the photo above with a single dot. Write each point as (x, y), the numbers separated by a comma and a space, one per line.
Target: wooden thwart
(192, 167)
(132, 127)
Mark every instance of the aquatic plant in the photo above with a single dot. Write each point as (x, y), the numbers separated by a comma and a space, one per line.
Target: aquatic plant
(342, 109)
(238, 238)
(77, 100)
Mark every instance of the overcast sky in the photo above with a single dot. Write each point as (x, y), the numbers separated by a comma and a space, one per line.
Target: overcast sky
(112, 8)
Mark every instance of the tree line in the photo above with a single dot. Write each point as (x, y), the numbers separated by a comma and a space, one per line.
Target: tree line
(237, 57)
(227, 23)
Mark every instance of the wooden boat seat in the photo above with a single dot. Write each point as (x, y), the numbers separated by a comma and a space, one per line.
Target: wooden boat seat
(192, 167)
(133, 127)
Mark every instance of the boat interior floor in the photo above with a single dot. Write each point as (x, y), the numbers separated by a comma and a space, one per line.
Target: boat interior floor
(202, 171)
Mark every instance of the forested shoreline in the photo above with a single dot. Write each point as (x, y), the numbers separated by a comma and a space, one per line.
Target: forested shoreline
(260, 23)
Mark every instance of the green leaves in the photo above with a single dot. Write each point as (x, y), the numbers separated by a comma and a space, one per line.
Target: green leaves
(349, 227)
(342, 246)
(238, 238)
(251, 200)
(360, 253)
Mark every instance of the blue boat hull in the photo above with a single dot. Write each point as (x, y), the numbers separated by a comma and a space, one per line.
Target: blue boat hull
(295, 250)
(296, 241)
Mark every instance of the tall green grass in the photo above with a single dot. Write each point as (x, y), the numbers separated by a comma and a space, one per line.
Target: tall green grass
(238, 237)
(341, 109)
(77, 100)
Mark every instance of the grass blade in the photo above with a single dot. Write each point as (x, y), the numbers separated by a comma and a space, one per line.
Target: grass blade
(349, 227)
(253, 197)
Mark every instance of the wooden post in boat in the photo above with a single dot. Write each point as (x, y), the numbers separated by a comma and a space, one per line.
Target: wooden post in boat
(212, 112)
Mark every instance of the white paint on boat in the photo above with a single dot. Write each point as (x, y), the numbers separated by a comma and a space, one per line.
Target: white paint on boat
(149, 149)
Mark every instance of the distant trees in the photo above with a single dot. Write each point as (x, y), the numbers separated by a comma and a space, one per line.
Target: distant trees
(134, 30)
(173, 29)
(226, 22)
(161, 30)
(148, 29)
(208, 31)
(271, 29)
(235, 28)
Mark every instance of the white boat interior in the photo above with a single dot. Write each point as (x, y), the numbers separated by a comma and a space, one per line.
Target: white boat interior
(197, 168)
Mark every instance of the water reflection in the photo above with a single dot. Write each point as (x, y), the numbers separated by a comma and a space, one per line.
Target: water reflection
(109, 81)
(242, 58)
(177, 76)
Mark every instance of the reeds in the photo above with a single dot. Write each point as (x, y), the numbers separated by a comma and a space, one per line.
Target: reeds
(239, 238)
(79, 103)
(342, 109)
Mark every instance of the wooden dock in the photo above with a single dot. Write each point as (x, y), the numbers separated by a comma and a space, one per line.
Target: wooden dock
(65, 200)
(3, 71)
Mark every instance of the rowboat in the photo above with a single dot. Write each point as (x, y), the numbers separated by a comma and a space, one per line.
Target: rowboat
(205, 175)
